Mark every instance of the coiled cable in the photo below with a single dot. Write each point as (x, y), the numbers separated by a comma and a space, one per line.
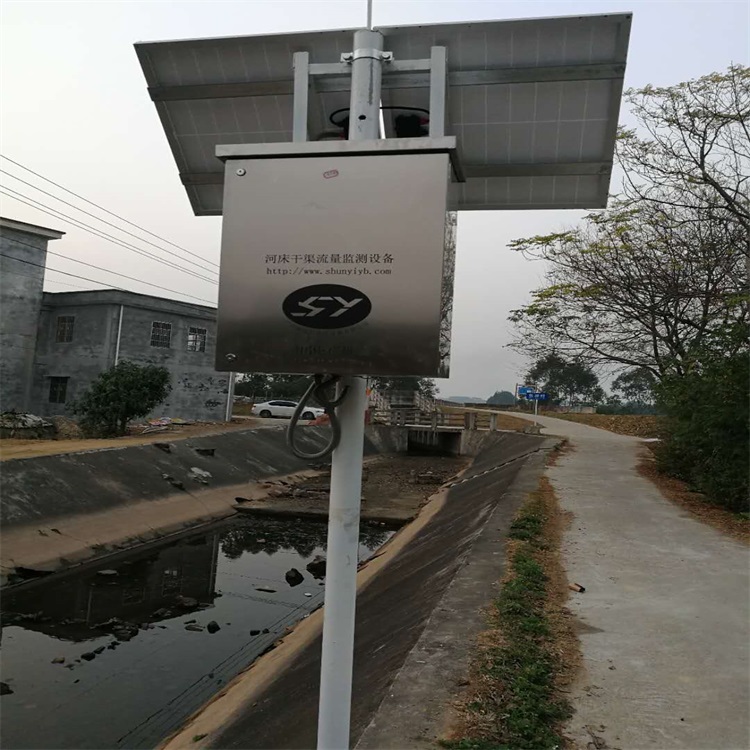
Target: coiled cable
(318, 389)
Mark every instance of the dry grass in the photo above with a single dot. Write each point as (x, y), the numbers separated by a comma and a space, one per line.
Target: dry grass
(530, 654)
(11, 448)
(732, 524)
(637, 425)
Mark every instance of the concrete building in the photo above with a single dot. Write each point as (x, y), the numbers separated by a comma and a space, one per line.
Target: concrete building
(55, 344)
(23, 257)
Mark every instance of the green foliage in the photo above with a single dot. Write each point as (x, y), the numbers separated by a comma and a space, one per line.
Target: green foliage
(425, 386)
(502, 398)
(122, 393)
(636, 385)
(521, 702)
(707, 442)
(563, 380)
(658, 282)
(263, 387)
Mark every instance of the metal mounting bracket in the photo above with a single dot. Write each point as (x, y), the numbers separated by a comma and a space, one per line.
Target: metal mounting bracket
(372, 54)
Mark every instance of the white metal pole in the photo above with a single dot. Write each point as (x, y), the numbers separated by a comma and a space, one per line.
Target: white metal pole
(230, 398)
(536, 406)
(334, 711)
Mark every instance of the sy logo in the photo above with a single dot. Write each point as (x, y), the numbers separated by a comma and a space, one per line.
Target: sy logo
(326, 306)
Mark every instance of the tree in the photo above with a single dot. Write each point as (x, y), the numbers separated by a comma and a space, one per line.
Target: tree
(564, 380)
(706, 439)
(252, 384)
(648, 282)
(424, 386)
(502, 398)
(637, 285)
(636, 385)
(262, 386)
(659, 282)
(694, 143)
(122, 393)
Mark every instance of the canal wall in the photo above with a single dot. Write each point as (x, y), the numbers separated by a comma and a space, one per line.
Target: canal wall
(63, 509)
(274, 703)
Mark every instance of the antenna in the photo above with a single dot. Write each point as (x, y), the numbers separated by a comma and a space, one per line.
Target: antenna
(369, 14)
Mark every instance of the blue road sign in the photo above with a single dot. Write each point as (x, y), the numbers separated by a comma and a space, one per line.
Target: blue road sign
(524, 389)
(537, 396)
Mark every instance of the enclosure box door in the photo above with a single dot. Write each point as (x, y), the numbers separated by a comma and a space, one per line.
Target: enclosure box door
(335, 264)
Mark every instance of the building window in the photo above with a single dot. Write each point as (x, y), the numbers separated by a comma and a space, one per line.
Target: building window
(196, 339)
(64, 333)
(161, 334)
(58, 390)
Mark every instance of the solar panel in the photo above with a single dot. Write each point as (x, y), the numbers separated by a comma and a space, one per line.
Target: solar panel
(533, 103)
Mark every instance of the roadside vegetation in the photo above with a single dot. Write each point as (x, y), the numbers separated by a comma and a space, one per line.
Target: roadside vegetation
(735, 525)
(119, 395)
(530, 652)
(655, 287)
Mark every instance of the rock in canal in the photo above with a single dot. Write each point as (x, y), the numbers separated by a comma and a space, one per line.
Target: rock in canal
(255, 632)
(194, 628)
(213, 626)
(88, 656)
(5, 689)
(59, 660)
(265, 590)
(317, 567)
(294, 577)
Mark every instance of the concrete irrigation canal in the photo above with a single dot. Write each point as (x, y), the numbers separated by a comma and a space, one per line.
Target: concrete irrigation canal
(155, 595)
(120, 656)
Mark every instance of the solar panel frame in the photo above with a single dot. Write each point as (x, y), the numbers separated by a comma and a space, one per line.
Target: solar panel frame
(533, 102)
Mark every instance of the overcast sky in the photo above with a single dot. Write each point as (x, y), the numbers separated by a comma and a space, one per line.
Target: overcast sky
(74, 108)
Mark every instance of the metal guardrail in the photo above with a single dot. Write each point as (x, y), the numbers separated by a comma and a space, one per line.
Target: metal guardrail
(434, 419)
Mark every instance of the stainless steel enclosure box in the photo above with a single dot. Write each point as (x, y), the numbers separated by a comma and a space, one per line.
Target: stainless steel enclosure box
(334, 263)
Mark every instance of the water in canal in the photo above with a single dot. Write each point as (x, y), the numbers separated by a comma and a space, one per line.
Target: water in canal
(120, 656)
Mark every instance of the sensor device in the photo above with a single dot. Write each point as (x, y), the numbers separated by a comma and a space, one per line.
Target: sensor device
(337, 261)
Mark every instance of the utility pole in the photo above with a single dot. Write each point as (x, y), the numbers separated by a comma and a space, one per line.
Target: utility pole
(334, 711)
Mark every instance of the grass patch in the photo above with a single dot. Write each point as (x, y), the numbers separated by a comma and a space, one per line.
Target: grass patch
(514, 700)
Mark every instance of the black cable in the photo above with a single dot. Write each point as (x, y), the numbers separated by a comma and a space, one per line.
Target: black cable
(319, 389)
(52, 281)
(33, 203)
(106, 210)
(390, 106)
(94, 281)
(104, 221)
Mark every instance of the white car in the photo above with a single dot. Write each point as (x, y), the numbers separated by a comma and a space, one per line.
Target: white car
(285, 409)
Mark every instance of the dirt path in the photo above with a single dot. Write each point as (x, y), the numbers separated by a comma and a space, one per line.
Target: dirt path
(665, 619)
(17, 448)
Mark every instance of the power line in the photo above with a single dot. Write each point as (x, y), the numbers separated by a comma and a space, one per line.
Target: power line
(84, 278)
(124, 276)
(111, 213)
(98, 233)
(52, 281)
